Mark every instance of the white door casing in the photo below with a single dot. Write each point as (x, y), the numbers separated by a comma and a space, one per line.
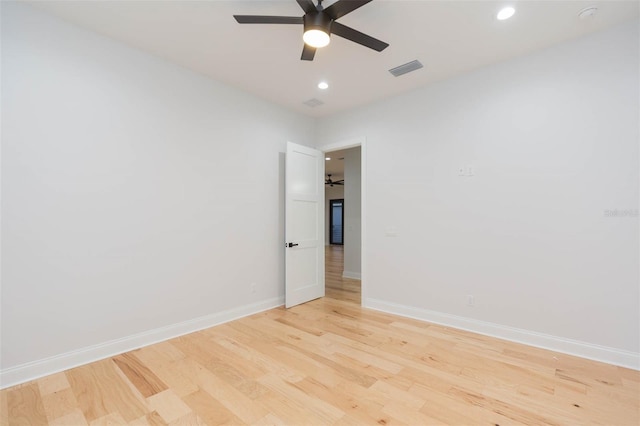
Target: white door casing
(304, 224)
(362, 143)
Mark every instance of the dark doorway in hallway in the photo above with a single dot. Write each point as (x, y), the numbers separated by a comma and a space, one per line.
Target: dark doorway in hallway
(336, 222)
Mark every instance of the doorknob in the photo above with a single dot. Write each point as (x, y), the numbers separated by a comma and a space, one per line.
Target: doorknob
(292, 245)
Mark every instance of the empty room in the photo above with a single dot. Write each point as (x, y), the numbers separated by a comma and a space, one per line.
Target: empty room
(303, 212)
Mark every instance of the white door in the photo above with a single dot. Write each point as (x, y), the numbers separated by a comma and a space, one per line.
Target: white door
(304, 224)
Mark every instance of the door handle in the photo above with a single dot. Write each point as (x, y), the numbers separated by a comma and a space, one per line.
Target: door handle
(292, 245)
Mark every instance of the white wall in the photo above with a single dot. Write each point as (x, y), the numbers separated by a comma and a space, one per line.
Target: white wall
(134, 194)
(330, 193)
(352, 231)
(553, 138)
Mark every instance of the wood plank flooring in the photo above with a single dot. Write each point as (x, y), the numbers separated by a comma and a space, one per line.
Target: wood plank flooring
(330, 362)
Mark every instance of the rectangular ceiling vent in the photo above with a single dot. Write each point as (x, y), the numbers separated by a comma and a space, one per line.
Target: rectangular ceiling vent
(313, 102)
(405, 68)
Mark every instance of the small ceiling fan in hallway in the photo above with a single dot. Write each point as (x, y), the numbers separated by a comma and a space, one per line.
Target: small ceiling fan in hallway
(319, 23)
(328, 181)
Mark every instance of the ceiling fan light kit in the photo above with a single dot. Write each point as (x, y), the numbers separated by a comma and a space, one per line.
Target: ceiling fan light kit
(316, 38)
(319, 23)
(317, 28)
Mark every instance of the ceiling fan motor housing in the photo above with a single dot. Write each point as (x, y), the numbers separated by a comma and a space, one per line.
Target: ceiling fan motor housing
(317, 21)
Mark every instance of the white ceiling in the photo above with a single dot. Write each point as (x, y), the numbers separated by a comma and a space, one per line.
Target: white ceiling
(335, 166)
(448, 37)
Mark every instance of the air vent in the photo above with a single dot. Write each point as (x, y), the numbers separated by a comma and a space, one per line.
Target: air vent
(408, 67)
(313, 102)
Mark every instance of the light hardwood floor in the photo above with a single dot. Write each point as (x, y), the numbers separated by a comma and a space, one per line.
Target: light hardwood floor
(330, 362)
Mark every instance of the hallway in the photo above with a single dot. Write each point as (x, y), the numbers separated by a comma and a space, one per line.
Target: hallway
(337, 287)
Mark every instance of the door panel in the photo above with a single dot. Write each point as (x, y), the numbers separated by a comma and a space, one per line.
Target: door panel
(304, 218)
(304, 224)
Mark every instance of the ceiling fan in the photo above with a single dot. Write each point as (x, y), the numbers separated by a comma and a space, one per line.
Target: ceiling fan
(319, 23)
(328, 181)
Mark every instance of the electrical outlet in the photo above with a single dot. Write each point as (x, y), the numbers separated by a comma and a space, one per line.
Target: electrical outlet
(471, 301)
(253, 288)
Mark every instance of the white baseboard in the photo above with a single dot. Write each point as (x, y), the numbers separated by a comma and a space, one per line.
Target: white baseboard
(545, 341)
(36, 369)
(352, 275)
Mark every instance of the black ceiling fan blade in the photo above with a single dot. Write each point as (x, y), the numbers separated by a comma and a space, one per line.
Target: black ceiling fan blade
(339, 182)
(307, 6)
(358, 37)
(258, 19)
(342, 7)
(308, 53)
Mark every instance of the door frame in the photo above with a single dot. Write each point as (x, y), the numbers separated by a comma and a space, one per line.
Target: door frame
(346, 144)
(341, 200)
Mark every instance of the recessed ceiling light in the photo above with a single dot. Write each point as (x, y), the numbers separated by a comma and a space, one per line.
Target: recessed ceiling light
(323, 85)
(505, 13)
(327, 158)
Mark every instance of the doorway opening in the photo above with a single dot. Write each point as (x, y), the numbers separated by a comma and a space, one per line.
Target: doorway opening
(336, 222)
(343, 223)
